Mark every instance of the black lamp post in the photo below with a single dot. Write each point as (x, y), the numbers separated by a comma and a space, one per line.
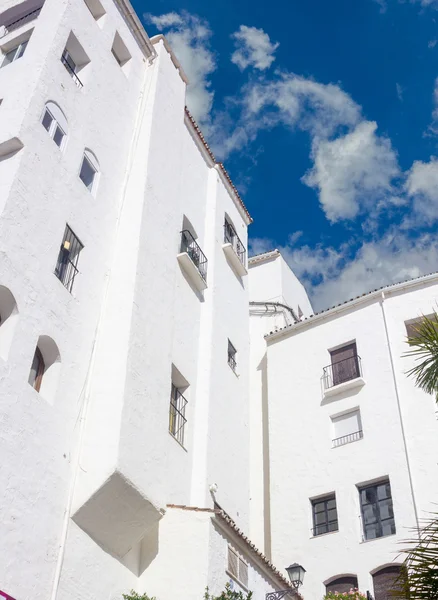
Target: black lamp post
(296, 576)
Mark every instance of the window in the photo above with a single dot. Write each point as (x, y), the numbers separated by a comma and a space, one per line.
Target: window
(88, 173)
(190, 246)
(67, 263)
(325, 515)
(120, 52)
(342, 584)
(37, 370)
(231, 237)
(45, 368)
(177, 418)
(55, 123)
(377, 512)
(411, 326)
(75, 59)
(347, 427)
(386, 582)
(237, 567)
(14, 54)
(232, 352)
(96, 9)
(345, 364)
(8, 320)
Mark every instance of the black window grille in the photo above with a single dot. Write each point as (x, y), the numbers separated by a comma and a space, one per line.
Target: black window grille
(377, 511)
(345, 366)
(67, 263)
(232, 352)
(189, 245)
(325, 515)
(27, 18)
(69, 63)
(177, 417)
(231, 237)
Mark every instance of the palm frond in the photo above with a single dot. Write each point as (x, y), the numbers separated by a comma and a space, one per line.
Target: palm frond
(424, 348)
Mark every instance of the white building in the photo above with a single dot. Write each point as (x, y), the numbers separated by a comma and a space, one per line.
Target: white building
(129, 390)
(349, 444)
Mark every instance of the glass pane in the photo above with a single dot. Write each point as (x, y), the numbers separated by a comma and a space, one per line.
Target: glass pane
(383, 491)
(333, 526)
(58, 137)
(369, 495)
(47, 120)
(9, 57)
(332, 515)
(369, 515)
(385, 508)
(371, 531)
(87, 173)
(320, 518)
(21, 50)
(34, 369)
(331, 503)
(70, 62)
(320, 529)
(320, 507)
(388, 527)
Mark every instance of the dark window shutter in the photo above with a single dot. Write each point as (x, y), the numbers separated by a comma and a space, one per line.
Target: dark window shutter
(342, 584)
(384, 582)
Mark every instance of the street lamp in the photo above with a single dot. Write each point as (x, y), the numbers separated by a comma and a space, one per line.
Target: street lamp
(296, 576)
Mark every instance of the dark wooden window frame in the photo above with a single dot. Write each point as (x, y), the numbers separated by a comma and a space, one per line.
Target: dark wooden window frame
(330, 525)
(376, 510)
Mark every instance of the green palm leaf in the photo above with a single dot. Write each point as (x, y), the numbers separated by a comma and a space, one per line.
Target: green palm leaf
(424, 348)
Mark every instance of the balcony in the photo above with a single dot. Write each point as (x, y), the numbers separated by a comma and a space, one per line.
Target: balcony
(342, 376)
(234, 250)
(347, 439)
(193, 261)
(11, 23)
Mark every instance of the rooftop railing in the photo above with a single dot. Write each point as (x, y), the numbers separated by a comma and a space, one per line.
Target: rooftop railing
(189, 245)
(342, 371)
(231, 237)
(30, 16)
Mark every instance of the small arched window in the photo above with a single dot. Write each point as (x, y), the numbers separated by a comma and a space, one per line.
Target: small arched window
(45, 367)
(55, 123)
(8, 320)
(89, 171)
(342, 583)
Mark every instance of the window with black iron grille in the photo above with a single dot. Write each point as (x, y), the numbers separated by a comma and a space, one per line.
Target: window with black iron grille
(67, 263)
(325, 515)
(231, 237)
(377, 511)
(345, 366)
(237, 566)
(177, 416)
(190, 245)
(232, 352)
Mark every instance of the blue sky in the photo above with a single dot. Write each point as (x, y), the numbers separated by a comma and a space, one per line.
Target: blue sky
(326, 116)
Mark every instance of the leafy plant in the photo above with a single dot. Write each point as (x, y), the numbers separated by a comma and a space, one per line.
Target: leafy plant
(424, 347)
(353, 594)
(134, 596)
(228, 594)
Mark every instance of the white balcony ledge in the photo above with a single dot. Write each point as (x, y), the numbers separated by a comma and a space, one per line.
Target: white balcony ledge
(192, 271)
(234, 260)
(344, 387)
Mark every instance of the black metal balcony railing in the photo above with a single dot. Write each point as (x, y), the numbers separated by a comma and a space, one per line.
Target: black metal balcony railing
(177, 418)
(347, 439)
(189, 245)
(65, 61)
(66, 272)
(30, 16)
(231, 237)
(342, 371)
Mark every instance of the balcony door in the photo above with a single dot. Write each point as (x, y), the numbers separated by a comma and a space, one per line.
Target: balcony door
(345, 365)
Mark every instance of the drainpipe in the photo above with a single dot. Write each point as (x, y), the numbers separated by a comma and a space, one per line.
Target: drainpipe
(275, 305)
(397, 395)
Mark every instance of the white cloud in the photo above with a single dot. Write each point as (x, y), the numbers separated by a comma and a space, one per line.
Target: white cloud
(422, 186)
(189, 37)
(399, 89)
(432, 130)
(382, 4)
(253, 48)
(353, 173)
(432, 43)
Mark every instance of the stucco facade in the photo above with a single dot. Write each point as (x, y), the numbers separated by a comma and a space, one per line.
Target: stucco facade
(149, 422)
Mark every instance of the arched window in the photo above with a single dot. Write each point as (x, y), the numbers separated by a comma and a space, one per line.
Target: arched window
(384, 581)
(8, 320)
(89, 171)
(45, 368)
(55, 123)
(342, 583)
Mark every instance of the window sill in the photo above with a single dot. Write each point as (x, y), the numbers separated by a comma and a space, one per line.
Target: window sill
(192, 271)
(382, 537)
(238, 267)
(343, 387)
(321, 535)
(179, 443)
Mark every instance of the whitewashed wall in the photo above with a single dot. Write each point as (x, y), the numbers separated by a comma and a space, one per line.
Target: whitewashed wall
(303, 463)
